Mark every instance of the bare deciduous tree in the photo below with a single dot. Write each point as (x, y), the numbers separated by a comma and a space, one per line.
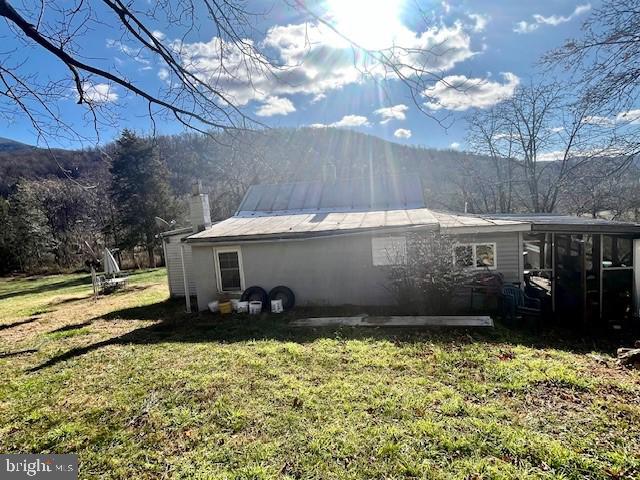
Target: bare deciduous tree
(606, 60)
(492, 136)
(550, 138)
(199, 98)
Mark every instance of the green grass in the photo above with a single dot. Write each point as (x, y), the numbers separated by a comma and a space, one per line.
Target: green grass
(141, 390)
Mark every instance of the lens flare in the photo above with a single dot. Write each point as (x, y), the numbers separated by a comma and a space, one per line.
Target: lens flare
(372, 24)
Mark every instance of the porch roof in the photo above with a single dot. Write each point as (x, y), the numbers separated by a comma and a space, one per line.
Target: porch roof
(573, 224)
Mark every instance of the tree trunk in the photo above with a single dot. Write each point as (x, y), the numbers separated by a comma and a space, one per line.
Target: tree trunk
(152, 256)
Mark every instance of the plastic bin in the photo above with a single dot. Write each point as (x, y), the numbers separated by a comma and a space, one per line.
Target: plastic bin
(276, 306)
(242, 307)
(255, 308)
(225, 307)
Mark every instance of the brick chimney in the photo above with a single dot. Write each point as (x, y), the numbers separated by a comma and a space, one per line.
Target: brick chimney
(199, 208)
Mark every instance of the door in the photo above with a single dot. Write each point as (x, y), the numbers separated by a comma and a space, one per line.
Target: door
(570, 278)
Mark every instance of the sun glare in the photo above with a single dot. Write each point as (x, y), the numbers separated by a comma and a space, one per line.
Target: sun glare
(373, 24)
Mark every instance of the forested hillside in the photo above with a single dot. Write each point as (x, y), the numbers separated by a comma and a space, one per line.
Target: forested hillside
(54, 201)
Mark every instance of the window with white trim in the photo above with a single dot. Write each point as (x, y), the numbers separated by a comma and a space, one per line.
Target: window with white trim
(475, 255)
(387, 251)
(229, 266)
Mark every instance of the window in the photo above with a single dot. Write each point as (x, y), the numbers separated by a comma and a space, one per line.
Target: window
(389, 250)
(229, 265)
(475, 256)
(617, 252)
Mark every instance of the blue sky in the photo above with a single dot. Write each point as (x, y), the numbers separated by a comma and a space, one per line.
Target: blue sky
(491, 44)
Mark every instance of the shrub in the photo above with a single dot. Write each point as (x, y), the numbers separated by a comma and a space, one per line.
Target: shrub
(428, 279)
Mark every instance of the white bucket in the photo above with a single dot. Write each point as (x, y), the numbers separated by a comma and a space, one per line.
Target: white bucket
(276, 306)
(255, 308)
(242, 307)
(213, 306)
(234, 304)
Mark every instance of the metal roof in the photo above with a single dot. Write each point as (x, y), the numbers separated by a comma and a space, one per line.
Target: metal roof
(382, 204)
(305, 225)
(392, 192)
(177, 231)
(568, 223)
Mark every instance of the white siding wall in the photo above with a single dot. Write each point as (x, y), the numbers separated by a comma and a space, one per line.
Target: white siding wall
(509, 251)
(174, 266)
(330, 271)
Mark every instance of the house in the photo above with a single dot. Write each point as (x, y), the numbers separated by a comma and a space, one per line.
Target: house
(329, 242)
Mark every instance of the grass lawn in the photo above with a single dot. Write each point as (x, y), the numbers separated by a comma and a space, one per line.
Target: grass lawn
(141, 390)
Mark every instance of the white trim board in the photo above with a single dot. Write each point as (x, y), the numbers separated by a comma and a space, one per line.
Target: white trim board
(216, 260)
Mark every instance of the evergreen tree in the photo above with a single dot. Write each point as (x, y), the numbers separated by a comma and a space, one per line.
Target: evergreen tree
(140, 190)
(31, 240)
(7, 257)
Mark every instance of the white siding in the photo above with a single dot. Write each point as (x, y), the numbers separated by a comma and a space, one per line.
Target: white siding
(508, 252)
(330, 271)
(174, 266)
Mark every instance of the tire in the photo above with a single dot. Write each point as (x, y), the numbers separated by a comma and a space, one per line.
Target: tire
(256, 294)
(285, 294)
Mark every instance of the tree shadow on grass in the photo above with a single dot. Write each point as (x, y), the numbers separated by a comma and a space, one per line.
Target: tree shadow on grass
(173, 324)
(5, 326)
(73, 326)
(48, 287)
(18, 352)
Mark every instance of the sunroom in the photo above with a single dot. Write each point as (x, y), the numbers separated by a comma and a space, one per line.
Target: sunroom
(582, 270)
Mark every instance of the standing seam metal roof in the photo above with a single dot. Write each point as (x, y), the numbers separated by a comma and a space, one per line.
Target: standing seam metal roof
(391, 203)
(391, 192)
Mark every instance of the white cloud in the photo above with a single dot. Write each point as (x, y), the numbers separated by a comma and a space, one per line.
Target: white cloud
(346, 121)
(315, 60)
(597, 120)
(550, 156)
(391, 113)
(163, 74)
(352, 121)
(134, 53)
(318, 98)
(457, 92)
(553, 20)
(158, 34)
(98, 93)
(275, 106)
(480, 21)
(525, 27)
(630, 116)
(402, 133)
(454, 146)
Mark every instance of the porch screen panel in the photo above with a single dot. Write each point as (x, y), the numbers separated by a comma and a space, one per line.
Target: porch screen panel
(538, 267)
(617, 279)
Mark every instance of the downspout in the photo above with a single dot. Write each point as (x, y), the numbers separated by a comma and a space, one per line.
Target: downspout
(187, 293)
(164, 250)
(636, 276)
(601, 275)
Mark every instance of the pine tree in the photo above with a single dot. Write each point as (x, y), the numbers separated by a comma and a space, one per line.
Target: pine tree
(140, 190)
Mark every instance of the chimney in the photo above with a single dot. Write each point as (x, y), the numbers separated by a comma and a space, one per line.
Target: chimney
(199, 208)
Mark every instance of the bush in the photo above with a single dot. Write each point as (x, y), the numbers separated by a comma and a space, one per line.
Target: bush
(428, 279)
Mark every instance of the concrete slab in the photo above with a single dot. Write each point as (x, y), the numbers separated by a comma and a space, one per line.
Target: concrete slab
(397, 321)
